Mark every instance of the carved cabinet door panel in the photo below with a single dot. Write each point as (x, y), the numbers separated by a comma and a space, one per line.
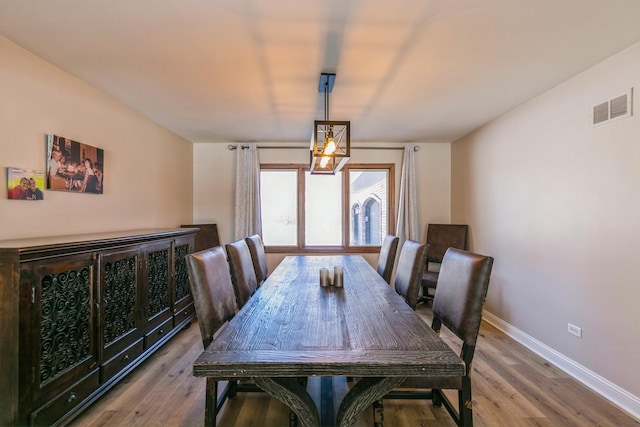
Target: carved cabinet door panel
(119, 300)
(183, 308)
(157, 295)
(181, 289)
(57, 314)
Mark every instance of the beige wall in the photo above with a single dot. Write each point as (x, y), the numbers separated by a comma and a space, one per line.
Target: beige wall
(557, 203)
(214, 166)
(148, 170)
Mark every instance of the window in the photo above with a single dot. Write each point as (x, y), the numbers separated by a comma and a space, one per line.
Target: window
(349, 211)
(279, 209)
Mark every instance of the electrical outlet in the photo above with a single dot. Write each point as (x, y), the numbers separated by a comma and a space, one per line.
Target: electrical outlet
(574, 330)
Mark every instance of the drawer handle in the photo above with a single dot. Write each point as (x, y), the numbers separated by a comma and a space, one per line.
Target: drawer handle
(125, 358)
(186, 313)
(72, 398)
(161, 331)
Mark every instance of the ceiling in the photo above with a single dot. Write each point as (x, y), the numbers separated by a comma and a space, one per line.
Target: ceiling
(248, 70)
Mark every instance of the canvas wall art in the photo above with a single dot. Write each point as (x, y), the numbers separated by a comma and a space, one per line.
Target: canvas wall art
(25, 184)
(74, 166)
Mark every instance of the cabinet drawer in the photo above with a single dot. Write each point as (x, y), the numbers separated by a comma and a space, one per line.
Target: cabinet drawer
(184, 315)
(121, 360)
(158, 333)
(56, 408)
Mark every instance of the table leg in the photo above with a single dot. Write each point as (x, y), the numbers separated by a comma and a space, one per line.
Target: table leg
(293, 394)
(362, 395)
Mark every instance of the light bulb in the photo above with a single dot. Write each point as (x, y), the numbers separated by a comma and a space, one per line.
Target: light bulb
(324, 161)
(329, 146)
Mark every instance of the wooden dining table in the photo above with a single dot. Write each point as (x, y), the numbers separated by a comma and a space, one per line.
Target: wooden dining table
(293, 328)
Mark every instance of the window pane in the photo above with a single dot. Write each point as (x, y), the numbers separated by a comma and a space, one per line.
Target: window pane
(368, 209)
(323, 210)
(279, 205)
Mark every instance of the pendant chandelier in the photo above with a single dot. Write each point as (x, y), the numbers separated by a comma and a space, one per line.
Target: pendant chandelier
(330, 140)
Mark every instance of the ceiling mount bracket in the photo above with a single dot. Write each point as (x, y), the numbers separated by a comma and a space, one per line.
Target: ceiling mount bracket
(326, 82)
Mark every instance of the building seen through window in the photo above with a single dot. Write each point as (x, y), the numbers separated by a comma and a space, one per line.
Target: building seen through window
(368, 207)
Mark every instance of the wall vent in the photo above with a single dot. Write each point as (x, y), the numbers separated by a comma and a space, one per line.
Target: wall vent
(615, 108)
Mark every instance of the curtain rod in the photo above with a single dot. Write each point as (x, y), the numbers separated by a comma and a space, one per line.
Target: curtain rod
(289, 147)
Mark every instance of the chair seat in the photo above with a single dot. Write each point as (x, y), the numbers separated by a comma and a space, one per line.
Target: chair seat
(433, 382)
(429, 279)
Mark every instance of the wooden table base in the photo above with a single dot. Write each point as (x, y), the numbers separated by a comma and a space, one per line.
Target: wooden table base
(362, 395)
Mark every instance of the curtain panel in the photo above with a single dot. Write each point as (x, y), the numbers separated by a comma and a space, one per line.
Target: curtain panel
(248, 219)
(407, 226)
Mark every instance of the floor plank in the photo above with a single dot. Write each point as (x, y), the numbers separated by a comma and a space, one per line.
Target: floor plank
(511, 387)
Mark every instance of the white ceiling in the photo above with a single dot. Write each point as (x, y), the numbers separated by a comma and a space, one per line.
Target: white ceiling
(248, 70)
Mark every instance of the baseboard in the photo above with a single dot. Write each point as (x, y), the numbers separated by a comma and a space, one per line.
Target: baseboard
(610, 391)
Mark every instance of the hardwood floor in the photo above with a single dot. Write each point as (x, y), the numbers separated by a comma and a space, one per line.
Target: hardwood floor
(511, 387)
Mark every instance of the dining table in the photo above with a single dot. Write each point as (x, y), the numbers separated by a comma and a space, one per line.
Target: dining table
(293, 327)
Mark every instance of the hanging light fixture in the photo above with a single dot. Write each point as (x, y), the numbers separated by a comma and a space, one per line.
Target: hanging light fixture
(331, 140)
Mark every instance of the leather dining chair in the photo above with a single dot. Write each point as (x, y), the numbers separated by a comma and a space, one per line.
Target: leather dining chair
(215, 304)
(243, 275)
(462, 289)
(258, 256)
(440, 237)
(411, 262)
(387, 257)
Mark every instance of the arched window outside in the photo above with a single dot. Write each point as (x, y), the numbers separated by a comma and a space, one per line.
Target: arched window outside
(372, 222)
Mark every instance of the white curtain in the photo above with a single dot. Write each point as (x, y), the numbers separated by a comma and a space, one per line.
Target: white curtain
(407, 226)
(248, 220)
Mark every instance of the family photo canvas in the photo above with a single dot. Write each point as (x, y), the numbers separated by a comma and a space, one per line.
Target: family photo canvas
(74, 166)
(25, 184)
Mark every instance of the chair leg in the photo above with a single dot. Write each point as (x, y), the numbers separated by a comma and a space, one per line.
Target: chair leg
(378, 414)
(436, 398)
(465, 403)
(211, 403)
(233, 389)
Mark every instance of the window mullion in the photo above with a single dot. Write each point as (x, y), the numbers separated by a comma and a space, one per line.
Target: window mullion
(346, 215)
(301, 207)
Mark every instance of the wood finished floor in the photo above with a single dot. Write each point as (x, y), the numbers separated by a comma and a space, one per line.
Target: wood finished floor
(511, 387)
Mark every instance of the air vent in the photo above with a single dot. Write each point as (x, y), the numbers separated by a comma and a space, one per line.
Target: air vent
(616, 108)
(601, 113)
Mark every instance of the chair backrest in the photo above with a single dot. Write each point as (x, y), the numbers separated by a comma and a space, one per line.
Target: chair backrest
(441, 237)
(213, 295)
(243, 275)
(259, 257)
(387, 257)
(411, 263)
(462, 288)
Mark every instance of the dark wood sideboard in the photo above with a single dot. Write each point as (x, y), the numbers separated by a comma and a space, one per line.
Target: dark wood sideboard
(78, 313)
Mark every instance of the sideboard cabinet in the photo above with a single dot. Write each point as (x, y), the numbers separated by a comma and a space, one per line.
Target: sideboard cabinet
(78, 313)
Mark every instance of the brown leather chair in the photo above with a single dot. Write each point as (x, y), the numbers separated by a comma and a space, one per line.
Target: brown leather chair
(215, 304)
(462, 288)
(441, 237)
(411, 262)
(258, 256)
(387, 257)
(243, 275)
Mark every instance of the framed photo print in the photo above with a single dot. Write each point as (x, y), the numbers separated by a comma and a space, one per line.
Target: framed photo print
(74, 166)
(25, 184)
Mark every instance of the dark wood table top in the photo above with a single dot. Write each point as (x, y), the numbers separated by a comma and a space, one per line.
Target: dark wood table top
(293, 327)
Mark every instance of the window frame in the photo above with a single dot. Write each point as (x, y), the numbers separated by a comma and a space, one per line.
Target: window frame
(345, 248)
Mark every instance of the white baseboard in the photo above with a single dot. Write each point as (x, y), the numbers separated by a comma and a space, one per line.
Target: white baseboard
(610, 391)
